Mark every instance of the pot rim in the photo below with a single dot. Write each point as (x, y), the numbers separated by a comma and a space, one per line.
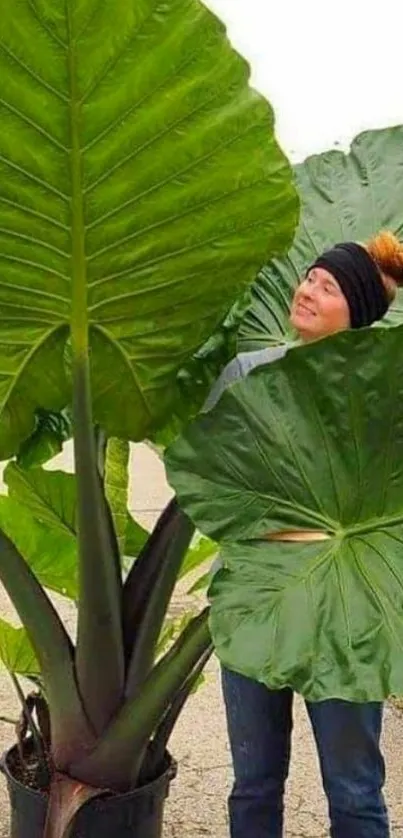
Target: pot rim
(169, 774)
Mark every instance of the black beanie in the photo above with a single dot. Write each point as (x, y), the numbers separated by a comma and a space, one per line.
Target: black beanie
(360, 281)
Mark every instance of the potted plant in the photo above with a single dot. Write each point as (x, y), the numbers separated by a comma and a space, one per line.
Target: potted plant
(141, 188)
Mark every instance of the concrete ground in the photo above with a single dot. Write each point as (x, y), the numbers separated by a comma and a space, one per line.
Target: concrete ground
(197, 804)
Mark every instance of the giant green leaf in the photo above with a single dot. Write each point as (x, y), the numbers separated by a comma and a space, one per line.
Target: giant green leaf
(312, 442)
(343, 197)
(137, 166)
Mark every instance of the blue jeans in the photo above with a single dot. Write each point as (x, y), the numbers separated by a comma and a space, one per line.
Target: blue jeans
(347, 738)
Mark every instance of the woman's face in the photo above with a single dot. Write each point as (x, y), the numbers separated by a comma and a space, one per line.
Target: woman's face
(319, 308)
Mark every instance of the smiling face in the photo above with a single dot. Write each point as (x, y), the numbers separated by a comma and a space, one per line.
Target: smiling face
(319, 307)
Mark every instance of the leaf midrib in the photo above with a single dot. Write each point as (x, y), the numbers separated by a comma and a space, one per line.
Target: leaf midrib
(335, 530)
(79, 314)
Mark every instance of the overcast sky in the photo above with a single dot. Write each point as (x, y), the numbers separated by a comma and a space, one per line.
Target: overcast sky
(330, 69)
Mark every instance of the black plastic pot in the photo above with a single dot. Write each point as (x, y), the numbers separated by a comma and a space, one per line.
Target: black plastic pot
(137, 814)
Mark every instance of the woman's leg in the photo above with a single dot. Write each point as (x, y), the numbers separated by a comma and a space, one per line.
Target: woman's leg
(259, 727)
(347, 737)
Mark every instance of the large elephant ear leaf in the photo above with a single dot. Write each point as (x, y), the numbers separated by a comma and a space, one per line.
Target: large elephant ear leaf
(344, 197)
(137, 165)
(312, 443)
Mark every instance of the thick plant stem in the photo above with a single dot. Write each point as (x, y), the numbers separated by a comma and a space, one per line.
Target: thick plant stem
(99, 657)
(120, 753)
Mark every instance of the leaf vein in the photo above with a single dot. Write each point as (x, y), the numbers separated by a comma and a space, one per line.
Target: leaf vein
(38, 265)
(28, 290)
(35, 213)
(143, 100)
(177, 174)
(34, 178)
(114, 60)
(129, 366)
(41, 81)
(45, 26)
(16, 378)
(180, 252)
(34, 240)
(165, 222)
(152, 141)
(38, 128)
(384, 610)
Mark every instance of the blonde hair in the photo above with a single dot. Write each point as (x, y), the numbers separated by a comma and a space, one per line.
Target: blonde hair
(387, 253)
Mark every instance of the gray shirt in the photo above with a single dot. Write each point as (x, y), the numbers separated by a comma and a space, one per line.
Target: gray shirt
(239, 367)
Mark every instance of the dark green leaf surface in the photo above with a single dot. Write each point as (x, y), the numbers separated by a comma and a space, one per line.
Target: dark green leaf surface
(51, 431)
(311, 442)
(344, 197)
(135, 161)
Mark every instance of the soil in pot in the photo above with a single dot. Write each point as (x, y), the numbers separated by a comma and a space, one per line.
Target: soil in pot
(137, 814)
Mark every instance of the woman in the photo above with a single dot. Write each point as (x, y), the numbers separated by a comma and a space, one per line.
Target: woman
(349, 286)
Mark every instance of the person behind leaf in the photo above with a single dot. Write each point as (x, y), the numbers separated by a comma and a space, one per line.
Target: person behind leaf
(351, 285)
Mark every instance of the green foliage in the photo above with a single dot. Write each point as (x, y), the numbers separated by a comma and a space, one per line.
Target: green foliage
(50, 432)
(39, 517)
(40, 513)
(198, 554)
(137, 166)
(141, 187)
(312, 442)
(16, 652)
(197, 376)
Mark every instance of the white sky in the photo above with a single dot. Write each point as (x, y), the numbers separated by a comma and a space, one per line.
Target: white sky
(330, 69)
